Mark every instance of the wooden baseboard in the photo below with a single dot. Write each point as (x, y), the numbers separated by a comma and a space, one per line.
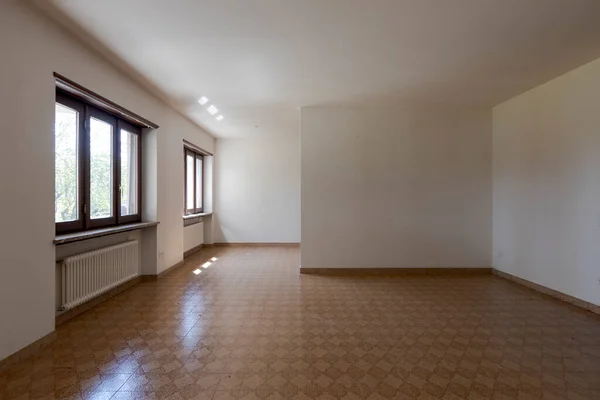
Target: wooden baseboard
(549, 292)
(70, 314)
(193, 250)
(171, 269)
(255, 244)
(27, 351)
(151, 278)
(395, 271)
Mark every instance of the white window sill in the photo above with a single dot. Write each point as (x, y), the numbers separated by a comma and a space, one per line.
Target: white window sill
(96, 233)
(190, 216)
(193, 219)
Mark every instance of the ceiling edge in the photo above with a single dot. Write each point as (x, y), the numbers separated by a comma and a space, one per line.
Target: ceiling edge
(48, 10)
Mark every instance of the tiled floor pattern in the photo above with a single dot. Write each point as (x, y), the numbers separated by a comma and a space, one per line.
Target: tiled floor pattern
(250, 327)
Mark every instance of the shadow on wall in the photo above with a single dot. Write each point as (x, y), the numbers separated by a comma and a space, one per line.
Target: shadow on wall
(412, 250)
(221, 233)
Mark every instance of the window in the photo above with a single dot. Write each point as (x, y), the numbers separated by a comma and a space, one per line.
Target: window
(194, 176)
(97, 167)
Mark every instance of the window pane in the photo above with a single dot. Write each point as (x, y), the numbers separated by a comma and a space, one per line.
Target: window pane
(66, 205)
(101, 196)
(189, 184)
(198, 182)
(129, 173)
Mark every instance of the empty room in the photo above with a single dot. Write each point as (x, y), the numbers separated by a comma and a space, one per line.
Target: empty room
(300, 199)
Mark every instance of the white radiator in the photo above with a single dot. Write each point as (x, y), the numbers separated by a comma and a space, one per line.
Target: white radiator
(87, 275)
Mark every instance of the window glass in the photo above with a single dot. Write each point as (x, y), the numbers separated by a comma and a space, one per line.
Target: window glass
(199, 182)
(66, 193)
(189, 165)
(101, 177)
(129, 173)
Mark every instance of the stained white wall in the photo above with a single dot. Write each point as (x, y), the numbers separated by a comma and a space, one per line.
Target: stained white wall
(547, 184)
(258, 189)
(32, 49)
(396, 187)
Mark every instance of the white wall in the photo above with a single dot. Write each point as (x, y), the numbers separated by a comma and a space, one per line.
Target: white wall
(32, 49)
(258, 189)
(396, 187)
(193, 236)
(547, 184)
(170, 178)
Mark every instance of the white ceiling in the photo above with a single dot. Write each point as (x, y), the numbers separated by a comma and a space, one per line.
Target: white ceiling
(259, 60)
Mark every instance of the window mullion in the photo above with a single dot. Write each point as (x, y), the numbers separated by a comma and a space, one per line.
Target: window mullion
(195, 189)
(200, 190)
(86, 168)
(81, 167)
(117, 172)
(184, 183)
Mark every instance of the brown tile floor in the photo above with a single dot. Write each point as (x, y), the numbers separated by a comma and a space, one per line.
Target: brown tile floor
(250, 327)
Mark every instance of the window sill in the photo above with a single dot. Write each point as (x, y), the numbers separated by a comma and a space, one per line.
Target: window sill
(190, 216)
(96, 233)
(193, 219)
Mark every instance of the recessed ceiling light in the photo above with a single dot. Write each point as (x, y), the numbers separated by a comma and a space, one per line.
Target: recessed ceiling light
(212, 110)
(220, 117)
(203, 100)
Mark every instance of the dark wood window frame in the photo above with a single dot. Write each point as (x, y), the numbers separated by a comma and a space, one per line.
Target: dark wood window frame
(86, 111)
(197, 156)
